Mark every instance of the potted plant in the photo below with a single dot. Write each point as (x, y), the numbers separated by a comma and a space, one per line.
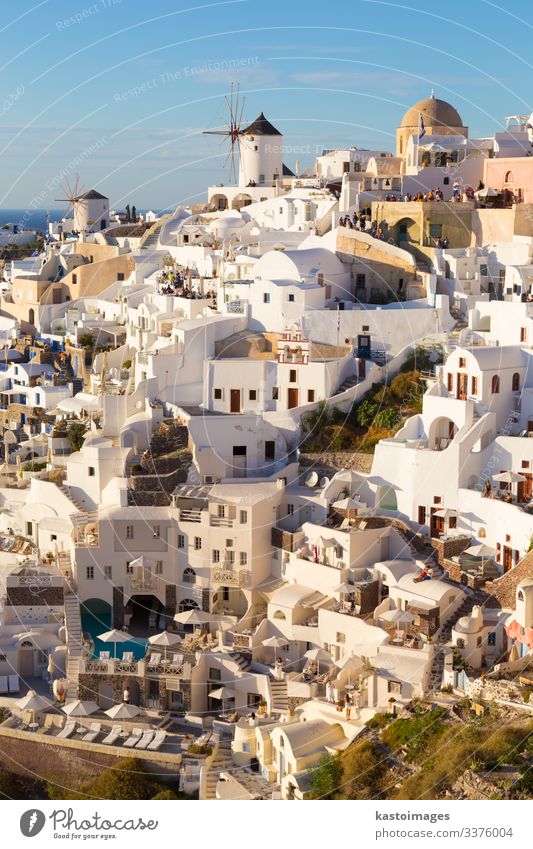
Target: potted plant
(49, 557)
(261, 708)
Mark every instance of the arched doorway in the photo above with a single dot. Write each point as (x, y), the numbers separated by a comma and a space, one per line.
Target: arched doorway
(404, 231)
(441, 433)
(26, 659)
(144, 615)
(387, 498)
(31, 316)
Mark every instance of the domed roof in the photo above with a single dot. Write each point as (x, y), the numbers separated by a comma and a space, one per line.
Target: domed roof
(435, 112)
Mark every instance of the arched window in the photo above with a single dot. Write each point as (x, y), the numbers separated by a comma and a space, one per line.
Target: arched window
(509, 177)
(279, 614)
(516, 382)
(31, 316)
(189, 576)
(495, 384)
(460, 643)
(520, 595)
(187, 604)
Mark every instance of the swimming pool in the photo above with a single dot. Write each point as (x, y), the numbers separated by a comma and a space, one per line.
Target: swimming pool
(97, 623)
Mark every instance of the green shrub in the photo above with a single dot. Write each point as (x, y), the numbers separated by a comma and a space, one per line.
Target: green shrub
(31, 466)
(326, 778)
(365, 412)
(76, 435)
(86, 340)
(196, 749)
(387, 418)
(126, 364)
(379, 721)
(128, 780)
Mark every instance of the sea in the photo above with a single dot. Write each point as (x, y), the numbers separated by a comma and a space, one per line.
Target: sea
(35, 219)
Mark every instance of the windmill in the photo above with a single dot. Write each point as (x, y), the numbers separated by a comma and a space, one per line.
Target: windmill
(72, 194)
(233, 131)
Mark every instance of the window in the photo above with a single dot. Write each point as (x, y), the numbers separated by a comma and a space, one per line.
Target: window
(230, 557)
(89, 573)
(340, 637)
(491, 639)
(509, 177)
(310, 395)
(290, 509)
(74, 278)
(129, 567)
(215, 555)
(395, 687)
(291, 299)
(483, 270)
(421, 515)
(523, 334)
(474, 386)
(189, 576)
(214, 673)
(156, 531)
(266, 297)
(292, 375)
(252, 395)
(229, 543)
(129, 531)
(460, 643)
(217, 394)
(197, 543)
(120, 276)
(450, 382)
(243, 558)
(243, 517)
(360, 282)
(53, 537)
(92, 471)
(516, 382)
(221, 509)
(495, 384)
(279, 614)
(181, 541)
(462, 362)
(275, 393)
(108, 572)
(158, 567)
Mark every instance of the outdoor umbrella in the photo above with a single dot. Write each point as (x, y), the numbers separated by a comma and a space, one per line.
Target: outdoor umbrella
(481, 550)
(275, 642)
(80, 708)
(318, 655)
(115, 637)
(346, 504)
(398, 617)
(123, 711)
(164, 639)
(508, 478)
(345, 587)
(487, 192)
(193, 617)
(34, 702)
(223, 693)
(446, 513)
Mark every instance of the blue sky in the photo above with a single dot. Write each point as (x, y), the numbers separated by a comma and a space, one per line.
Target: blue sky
(125, 87)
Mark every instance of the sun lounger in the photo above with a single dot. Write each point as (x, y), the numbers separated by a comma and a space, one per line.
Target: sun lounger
(127, 657)
(147, 738)
(113, 735)
(3, 684)
(177, 659)
(93, 732)
(14, 686)
(132, 741)
(155, 659)
(105, 655)
(68, 730)
(157, 742)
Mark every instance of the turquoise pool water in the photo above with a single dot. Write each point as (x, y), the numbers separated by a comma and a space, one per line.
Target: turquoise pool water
(95, 624)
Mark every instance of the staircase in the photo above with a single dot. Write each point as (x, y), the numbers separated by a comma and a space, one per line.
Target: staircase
(445, 634)
(280, 697)
(74, 643)
(243, 661)
(66, 491)
(222, 762)
(348, 383)
(150, 241)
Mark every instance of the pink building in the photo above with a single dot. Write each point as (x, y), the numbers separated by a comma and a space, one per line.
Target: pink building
(513, 176)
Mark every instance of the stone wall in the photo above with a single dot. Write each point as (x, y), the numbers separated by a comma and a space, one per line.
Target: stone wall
(31, 596)
(446, 548)
(331, 461)
(71, 763)
(504, 588)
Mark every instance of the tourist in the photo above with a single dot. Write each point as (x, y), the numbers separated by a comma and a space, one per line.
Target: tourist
(348, 705)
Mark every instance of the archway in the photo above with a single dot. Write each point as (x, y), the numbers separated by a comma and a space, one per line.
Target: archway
(241, 200)
(441, 433)
(231, 601)
(406, 230)
(144, 613)
(386, 497)
(218, 202)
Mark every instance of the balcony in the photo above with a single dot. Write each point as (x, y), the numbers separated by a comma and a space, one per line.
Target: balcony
(145, 582)
(137, 667)
(191, 515)
(230, 578)
(220, 522)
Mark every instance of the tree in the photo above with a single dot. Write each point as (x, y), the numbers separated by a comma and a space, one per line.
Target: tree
(76, 435)
(326, 778)
(129, 780)
(86, 340)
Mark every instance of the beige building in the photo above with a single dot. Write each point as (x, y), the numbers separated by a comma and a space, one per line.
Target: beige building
(440, 119)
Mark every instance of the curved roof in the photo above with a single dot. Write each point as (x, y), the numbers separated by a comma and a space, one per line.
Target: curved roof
(261, 127)
(435, 112)
(92, 194)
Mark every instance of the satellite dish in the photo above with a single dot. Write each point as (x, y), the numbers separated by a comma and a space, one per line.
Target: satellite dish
(324, 482)
(311, 480)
